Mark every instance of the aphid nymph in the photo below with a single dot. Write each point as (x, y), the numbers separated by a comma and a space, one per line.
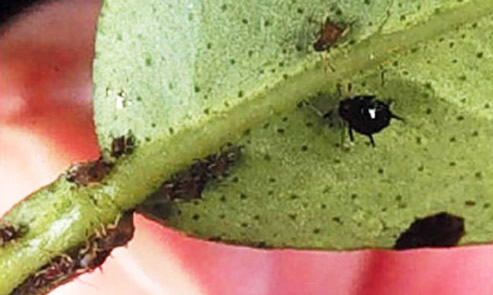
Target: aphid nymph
(122, 145)
(366, 115)
(329, 34)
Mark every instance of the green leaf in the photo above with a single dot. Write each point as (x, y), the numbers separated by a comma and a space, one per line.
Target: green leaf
(219, 76)
(186, 77)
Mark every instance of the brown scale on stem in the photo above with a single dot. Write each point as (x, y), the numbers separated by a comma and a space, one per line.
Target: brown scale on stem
(66, 267)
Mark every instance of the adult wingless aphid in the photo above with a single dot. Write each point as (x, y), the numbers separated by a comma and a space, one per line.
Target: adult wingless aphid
(366, 115)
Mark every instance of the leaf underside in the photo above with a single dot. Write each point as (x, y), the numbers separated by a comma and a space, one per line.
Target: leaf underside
(193, 62)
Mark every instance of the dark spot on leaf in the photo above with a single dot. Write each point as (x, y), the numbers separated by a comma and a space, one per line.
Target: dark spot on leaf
(478, 175)
(470, 203)
(304, 148)
(148, 61)
(460, 118)
(196, 217)
(439, 230)
(292, 216)
(337, 219)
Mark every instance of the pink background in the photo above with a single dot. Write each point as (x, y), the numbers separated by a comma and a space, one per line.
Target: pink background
(45, 125)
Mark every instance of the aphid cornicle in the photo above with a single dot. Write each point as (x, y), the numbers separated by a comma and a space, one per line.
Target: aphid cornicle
(366, 115)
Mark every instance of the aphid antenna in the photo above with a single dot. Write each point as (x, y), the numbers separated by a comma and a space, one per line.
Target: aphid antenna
(382, 77)
(380, 27)
(392, 115)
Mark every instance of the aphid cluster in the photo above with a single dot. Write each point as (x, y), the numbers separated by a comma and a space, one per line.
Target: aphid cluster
(8, 233)
(439, 230)
(66, 267)
(330, 32)
(122, 145)
(87, 173)
(189, 184)
(366, 115)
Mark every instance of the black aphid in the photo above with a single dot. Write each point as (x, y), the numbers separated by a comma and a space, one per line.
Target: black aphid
(439, 230)
(366, 115)
(8, 233)
(122, 145)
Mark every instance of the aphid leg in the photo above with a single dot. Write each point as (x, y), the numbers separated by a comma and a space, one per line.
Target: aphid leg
(351, 135)
(339, 89)
(327, 115)
(392, 115)
(382, 77)
(372, 141)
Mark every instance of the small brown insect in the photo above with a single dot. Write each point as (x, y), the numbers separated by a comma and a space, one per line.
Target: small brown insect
(122, 145)
(329, 34)
(189, 184)
(218, 165)
(8, 233)
(87, 173)
(100, 246)
(79, 260)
